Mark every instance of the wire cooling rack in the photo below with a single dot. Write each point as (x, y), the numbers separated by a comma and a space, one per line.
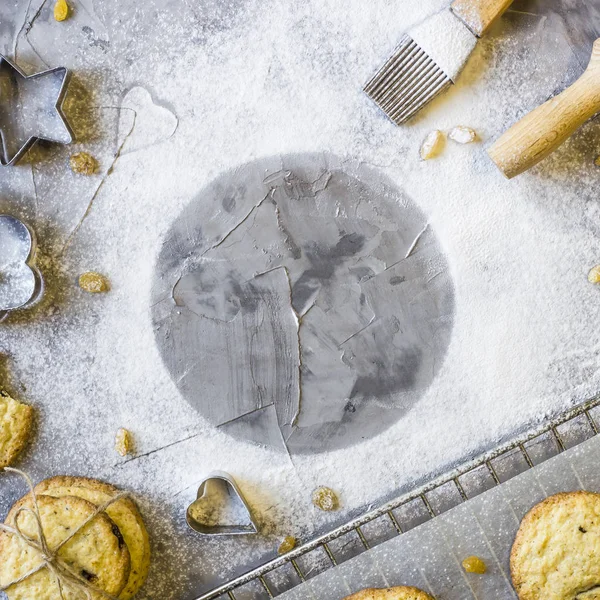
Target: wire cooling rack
(414, 508)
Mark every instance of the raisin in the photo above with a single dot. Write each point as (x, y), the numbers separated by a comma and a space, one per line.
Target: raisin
(61, 10)
(325, 499)
(83, 163)
(473, 564)
(462, 135)
(287, 545)
(432, 145)
(594, 274)
(123, 442)
(93, 282)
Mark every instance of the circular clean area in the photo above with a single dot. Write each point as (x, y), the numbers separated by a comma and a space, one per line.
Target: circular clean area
(302, 302)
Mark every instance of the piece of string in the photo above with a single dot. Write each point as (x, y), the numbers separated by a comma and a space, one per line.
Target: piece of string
(62, 573)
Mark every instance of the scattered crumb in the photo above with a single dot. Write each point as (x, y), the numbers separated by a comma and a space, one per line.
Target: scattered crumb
(52, 310)
(325, 499)
(83, 163)
(594, 274)
(93, 282)
(61, 10)
(432, 145)
(597, 161)
(462, 135)
(473, 564)
(287, 545)
(124, 442)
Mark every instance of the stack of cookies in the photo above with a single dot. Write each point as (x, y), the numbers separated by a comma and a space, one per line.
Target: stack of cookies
(111, 552)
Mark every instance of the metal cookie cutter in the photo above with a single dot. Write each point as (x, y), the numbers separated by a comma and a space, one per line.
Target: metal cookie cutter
(31, 109)
(220, 508)
(21, 283)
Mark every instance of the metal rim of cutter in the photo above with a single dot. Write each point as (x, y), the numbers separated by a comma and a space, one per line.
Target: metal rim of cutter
(219, 530)
(57, 105)
(38, 290)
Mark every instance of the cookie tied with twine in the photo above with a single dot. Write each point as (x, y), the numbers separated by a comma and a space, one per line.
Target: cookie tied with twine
(61, 549)
(124, 514)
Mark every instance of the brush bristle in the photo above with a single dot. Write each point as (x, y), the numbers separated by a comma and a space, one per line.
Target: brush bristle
(406, 82)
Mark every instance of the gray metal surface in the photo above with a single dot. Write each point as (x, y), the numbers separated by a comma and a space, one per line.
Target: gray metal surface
(575, 24)
(423, 505)
(307, 306)
(68, 356)
(580, 22)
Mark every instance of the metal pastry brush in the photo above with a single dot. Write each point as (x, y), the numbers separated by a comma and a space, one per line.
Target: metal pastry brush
(431, 56)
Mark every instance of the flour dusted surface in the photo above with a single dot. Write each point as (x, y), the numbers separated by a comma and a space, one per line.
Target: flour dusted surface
(446, 40)
(206, 87)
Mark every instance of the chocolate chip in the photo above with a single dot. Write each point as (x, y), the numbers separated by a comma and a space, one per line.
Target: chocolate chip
(118, 535)
(87, 575)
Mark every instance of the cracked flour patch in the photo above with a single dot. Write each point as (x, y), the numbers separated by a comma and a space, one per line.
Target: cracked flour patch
(306, 306)
(245, 79)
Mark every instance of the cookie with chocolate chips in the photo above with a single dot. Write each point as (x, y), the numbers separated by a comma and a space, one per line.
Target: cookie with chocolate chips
(556, 553)
(395, 593)
(124, 513)
(97, 553)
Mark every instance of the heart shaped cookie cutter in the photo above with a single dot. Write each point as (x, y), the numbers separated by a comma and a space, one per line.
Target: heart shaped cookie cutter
(220, 508)
(21, 283)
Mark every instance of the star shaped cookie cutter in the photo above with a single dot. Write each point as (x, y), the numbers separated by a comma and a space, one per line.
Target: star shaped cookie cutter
(21, 283)
(31, 121)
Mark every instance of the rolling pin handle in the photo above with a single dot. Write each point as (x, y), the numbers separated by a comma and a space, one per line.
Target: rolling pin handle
(545, 128)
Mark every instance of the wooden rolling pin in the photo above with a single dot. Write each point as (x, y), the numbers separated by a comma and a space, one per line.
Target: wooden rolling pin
(545, 128)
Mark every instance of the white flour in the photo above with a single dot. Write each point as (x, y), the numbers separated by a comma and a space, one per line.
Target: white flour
(259, 78)
(446, 40)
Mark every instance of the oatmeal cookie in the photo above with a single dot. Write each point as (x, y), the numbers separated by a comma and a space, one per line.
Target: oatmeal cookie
(556, 553)
(124, 513)
(394, 593)
(97, 553)
(16, 421)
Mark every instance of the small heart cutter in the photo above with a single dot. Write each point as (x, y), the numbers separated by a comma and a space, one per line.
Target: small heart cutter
(21, 283)
(216, 494)
(31, 110)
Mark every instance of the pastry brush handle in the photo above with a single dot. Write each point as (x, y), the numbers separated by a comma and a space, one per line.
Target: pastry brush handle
(479, 15)
(545, 128)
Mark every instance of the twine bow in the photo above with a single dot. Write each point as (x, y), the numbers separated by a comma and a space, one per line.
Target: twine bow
(62, 573)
